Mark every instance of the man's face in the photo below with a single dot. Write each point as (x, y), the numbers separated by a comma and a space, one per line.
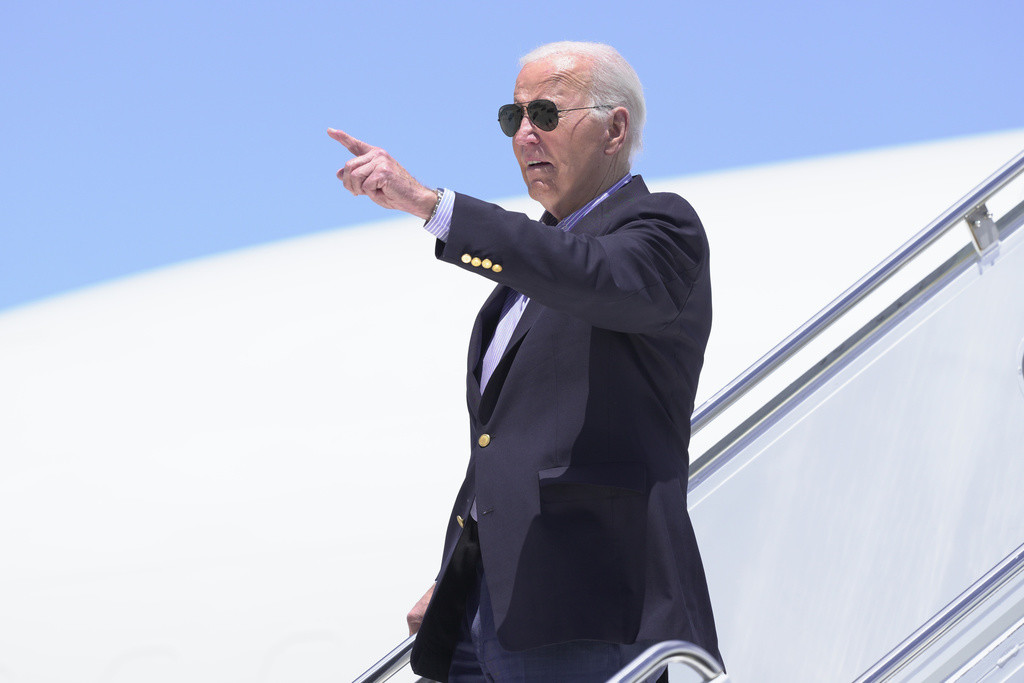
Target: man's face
(568, 166)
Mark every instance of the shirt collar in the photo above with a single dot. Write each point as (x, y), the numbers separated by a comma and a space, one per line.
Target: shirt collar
(567, 223)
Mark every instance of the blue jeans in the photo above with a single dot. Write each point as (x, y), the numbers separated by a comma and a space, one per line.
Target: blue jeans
(479, 658)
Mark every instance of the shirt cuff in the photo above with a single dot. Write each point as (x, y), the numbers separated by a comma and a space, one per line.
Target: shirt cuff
(440, 224)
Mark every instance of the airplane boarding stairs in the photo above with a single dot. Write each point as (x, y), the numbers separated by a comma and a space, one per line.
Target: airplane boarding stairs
(858, 493)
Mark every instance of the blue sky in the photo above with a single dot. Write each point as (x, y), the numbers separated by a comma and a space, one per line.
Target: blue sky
(140, 134)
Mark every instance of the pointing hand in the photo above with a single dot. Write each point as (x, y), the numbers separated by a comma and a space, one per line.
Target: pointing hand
(373, 172)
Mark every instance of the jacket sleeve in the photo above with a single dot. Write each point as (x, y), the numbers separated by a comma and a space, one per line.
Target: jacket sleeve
(634, 277)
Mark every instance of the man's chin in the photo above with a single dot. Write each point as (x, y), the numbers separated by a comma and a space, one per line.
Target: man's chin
(539, 191)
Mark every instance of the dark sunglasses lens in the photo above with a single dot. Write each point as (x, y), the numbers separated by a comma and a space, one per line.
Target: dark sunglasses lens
(509, 118)
(543, 114)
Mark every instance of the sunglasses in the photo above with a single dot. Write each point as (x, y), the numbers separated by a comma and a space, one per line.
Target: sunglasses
(543, 114)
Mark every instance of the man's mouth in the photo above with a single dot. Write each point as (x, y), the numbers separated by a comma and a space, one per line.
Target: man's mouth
(536, 164)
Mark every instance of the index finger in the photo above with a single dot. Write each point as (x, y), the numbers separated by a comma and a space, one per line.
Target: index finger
(353, 145)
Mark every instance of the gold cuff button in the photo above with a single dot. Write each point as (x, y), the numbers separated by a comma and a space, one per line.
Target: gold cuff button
(466, 258)
(476, 262)
(462, 522)
(486, 263)
(496, 268)
(484, 440)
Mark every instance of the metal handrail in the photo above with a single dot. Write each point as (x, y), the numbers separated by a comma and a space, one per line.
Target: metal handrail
(656, 656)
(1011, 567)
(391, 664)
(810, 330)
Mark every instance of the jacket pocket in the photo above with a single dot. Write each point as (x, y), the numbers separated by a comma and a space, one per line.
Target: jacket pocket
(592, 480)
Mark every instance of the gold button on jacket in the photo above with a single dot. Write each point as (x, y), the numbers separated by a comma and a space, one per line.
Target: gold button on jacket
(484, 440)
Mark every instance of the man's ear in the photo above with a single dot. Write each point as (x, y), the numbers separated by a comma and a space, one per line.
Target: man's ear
(618, 126)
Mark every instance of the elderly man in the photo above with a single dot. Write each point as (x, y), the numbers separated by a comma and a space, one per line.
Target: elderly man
(569, 549)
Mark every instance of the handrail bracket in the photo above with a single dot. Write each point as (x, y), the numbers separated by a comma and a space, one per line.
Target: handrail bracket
(984, 235)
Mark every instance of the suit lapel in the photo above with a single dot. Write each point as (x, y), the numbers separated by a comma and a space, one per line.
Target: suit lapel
(530, 314)
(497, 379)
(483, 330)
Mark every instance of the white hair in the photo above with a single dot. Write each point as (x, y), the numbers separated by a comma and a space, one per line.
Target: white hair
(612, 81)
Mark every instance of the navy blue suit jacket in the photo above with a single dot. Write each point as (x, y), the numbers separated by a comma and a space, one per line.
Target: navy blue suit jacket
(581, 486)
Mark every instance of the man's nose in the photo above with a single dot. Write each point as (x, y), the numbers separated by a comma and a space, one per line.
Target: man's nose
(526, 131)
